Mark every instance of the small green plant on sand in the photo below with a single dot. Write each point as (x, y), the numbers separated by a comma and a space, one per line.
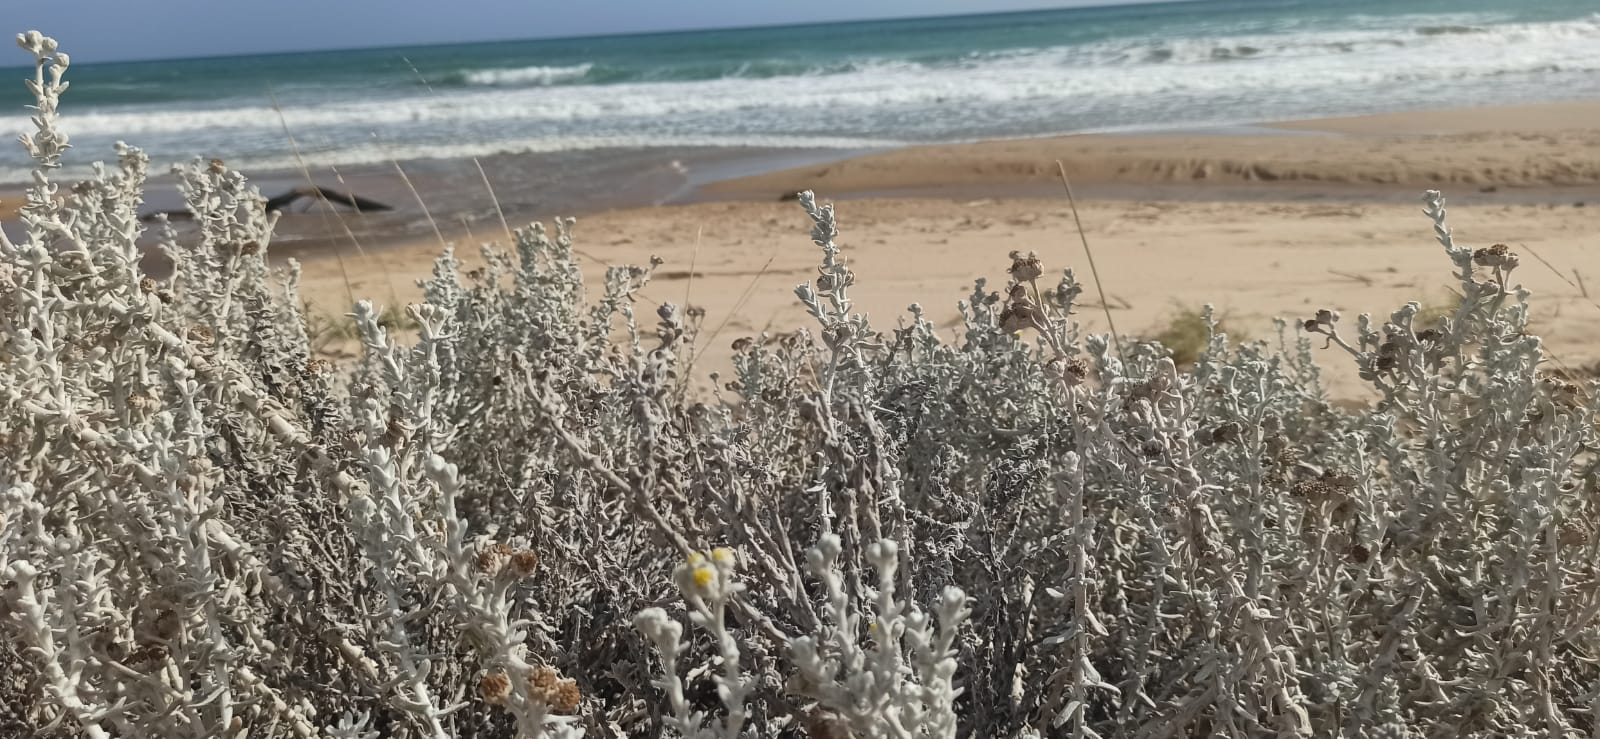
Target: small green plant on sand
(1188, 330)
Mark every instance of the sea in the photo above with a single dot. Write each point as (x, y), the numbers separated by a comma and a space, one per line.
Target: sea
(832, 87)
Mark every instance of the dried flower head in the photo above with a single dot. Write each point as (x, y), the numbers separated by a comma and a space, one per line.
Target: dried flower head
(495, 688)
(1022, 313)
(1025, 267)
(560, 694)
(544, 677)
(824, 724)
(522, 564)
(1498, 256)
(142, 403)
(493, 558)
(565, 698)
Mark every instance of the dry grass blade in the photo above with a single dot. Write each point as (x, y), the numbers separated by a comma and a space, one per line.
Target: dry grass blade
(476, 162)
(420, 202)
(1093, 270)
(488, 187)
(1574, 285)
(694, 258)
(305, 172)
(1353, 277)
(738, 305)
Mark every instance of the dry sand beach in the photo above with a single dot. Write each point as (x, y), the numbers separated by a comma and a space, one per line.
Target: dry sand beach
(1278, 225)
(1262, 222)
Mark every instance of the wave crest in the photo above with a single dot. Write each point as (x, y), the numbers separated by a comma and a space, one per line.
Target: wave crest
(525, 76)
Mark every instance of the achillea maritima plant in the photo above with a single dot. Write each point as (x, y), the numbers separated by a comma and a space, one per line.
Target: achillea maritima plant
(207, 531)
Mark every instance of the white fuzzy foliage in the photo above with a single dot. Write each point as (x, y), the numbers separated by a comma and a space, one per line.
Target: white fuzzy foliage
(501, 528)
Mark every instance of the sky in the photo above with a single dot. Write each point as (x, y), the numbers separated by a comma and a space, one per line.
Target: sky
(115, 30)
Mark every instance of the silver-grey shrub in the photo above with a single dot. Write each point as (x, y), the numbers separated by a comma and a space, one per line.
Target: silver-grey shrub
(520, 524)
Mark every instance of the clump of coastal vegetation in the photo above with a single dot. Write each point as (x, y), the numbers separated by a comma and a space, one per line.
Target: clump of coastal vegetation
(519, 525)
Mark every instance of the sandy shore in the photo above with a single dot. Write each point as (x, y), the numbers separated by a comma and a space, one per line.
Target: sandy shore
(1261, 223)
(1534, 146)
(1253, 261)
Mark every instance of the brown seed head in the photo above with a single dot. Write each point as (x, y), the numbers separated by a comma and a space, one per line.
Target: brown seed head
(822, 724)
(1025, 267)
(1317, 490)
(522, 564)
(1574, 534)
(495, 688)
(141, 402)
(1498, 255)
(146, 654)
(494, 558)
(544, 677)
(565, 698)
(1022, 314)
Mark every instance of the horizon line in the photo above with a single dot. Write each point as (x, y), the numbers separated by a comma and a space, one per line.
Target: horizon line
(628, 34)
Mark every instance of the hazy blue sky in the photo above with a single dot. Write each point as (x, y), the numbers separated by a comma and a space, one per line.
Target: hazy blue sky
(103, 30)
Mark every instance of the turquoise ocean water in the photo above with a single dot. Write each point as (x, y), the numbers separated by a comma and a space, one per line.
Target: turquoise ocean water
(843, 86)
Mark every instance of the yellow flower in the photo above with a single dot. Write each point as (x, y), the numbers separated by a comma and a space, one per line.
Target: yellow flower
(723, 555)
(703, 575)
(695, 558)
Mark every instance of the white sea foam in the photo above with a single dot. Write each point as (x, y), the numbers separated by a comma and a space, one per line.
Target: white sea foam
(526, 76)
(1231, 75)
